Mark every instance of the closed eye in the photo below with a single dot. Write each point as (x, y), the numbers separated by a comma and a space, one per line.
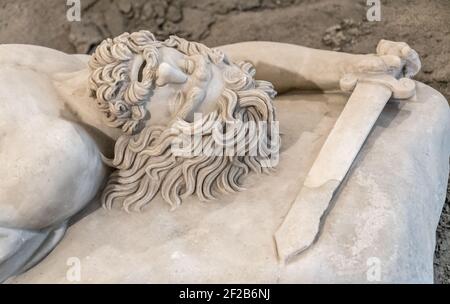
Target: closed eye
(187, 66)
(141, 71)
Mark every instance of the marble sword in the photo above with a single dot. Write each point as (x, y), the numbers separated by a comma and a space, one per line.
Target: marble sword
(371, 91)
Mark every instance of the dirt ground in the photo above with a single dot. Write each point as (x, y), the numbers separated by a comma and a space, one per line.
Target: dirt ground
(338, 25)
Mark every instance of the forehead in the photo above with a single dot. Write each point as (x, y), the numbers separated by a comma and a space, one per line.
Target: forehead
(170, 54)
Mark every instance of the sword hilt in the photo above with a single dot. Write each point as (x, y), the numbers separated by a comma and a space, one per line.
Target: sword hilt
(402, 88)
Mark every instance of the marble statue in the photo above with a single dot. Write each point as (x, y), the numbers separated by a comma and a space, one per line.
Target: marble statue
(144, 124)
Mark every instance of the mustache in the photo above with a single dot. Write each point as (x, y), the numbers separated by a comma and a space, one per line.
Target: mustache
(202, 71)
(184, 104)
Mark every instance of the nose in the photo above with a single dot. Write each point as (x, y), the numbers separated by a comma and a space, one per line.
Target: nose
(169, 74)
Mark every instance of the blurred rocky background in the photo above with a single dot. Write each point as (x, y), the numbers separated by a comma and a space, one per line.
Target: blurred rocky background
(327, 24)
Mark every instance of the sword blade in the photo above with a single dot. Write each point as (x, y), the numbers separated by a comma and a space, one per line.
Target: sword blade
(302, 224)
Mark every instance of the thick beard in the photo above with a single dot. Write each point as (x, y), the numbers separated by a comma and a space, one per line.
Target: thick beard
(146, 164)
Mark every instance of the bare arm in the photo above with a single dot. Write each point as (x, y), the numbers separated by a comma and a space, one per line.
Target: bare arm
(41, 59)
(290, 66)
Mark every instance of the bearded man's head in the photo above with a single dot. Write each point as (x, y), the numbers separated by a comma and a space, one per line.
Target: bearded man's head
(179, 95)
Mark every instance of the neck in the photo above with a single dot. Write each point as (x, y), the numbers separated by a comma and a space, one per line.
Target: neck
(81, 108)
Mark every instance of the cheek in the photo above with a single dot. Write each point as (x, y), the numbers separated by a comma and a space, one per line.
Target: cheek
(213, 92)
(159, 104)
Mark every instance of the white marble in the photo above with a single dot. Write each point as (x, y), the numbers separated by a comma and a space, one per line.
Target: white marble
(387, 211)
(61, 112)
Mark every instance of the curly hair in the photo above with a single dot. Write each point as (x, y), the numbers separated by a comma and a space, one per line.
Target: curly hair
(117, 96)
